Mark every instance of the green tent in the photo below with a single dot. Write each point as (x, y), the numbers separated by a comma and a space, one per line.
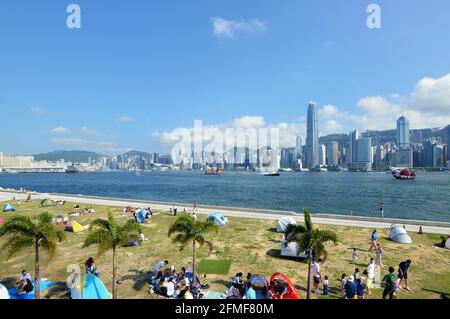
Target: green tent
(47, 203)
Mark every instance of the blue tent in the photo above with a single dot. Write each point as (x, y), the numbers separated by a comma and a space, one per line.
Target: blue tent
(140, 216)
(94, 288)
(8, 208)
(43, 287)
(218, 219)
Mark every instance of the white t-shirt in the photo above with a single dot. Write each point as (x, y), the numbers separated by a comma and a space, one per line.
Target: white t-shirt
(316, 269)
(170, 289)
(27, 276)
(325, 282)
(371, 270)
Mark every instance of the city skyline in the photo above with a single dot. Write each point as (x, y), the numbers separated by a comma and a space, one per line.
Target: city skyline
(227, 64)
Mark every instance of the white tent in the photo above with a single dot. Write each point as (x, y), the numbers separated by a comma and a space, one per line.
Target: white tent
(447, 243)
(290, 250)
(399, 235)
(3, 292)
(284, 222)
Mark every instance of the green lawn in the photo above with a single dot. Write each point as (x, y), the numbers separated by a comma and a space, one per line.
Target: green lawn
(248, 245)
(214, 267)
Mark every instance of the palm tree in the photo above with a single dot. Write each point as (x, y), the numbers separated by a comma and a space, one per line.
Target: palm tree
(25, 232)
(190, 231)
(310, 240)
(108, 235)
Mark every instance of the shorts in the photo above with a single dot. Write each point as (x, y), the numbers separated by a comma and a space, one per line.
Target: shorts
(374, 242)
(403, 276)
(317, 280)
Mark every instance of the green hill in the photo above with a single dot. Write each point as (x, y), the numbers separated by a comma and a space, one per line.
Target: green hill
(68, 156)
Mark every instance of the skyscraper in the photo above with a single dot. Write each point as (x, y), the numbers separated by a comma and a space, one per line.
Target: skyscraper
(365, 153)
(448, 146)
(353, 148)
(402, 133)
(333, 154)
(322, 155)
(312, 137)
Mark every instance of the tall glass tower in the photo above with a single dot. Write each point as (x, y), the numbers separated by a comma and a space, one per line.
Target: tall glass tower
(312, 137)
(402, 133)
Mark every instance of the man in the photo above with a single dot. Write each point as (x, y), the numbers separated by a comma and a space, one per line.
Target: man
(370, 276)
(159, 265)
(390, 282)
(403, 268)
(350, 288)
(316, 275)
(250, 293)
(25, 276)
(26, 286)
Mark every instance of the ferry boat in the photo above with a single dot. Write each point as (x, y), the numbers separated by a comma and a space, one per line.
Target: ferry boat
(72, 169)
(403, 174)
(217, 171)
(272, 174)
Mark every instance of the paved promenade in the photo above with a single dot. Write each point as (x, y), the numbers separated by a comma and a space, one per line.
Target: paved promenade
(339, 220)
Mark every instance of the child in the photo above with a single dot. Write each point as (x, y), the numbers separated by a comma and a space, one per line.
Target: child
(343, 283)
(397, 286)
(325, 286)
(354, 255)
(360, 287)
(356, 274)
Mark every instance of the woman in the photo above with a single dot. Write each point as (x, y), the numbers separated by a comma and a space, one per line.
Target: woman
(373, 240)
(90, 267)
(26, 286)
(378, 254)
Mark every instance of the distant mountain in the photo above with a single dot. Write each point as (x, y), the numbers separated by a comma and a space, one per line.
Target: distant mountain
(68, 156)
(137, 153)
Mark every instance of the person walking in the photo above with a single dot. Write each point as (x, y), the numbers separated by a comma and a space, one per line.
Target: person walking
(316, 275)
(373, 241)
(370, 276)
(403, 268)
(382, 210)
(378, 255)
(390, 282)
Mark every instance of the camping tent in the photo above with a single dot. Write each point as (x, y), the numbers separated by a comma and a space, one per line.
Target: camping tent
(399, 235)
(260, 285)
(47, 203)
(447, 243)
(4, 294)
(74, 226)
(291, 292)
(94, 288)
(289, 250)
(218, 219)
(141, 214)
(284, 222)
(43, 287)
(8, 208)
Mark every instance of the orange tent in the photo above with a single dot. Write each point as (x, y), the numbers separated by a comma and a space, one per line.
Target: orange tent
(291, 292)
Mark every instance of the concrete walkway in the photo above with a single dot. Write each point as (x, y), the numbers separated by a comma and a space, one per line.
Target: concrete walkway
(352, 221)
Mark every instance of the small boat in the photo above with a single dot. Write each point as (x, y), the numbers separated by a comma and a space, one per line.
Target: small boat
(72, 169)
(272, 174)
(217, 171)
(403, 174)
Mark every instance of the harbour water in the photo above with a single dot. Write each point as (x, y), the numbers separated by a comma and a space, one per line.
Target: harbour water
(426, 198)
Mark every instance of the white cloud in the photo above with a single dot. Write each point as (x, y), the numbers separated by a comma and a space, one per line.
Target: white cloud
(249, 121)
(124, 119)
(88, 132)
(228, 28)
(59, 130)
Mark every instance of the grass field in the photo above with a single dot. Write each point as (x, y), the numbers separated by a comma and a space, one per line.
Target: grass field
(250, 246)
(214, 267)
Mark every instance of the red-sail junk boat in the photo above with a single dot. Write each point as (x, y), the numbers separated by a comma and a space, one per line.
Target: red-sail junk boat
(403, 174)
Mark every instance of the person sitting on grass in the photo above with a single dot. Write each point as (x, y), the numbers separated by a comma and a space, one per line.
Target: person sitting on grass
(350, 288)
(356, 274)
(237, 281)
(389, 281)
(25, 275)
(250, 293)
(26, 286)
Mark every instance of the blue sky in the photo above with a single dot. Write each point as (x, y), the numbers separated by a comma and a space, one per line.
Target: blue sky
(139, 69)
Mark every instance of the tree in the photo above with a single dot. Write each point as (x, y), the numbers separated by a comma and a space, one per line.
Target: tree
(310, 240)
(108, 235)
(189, 231)
(39, 233)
